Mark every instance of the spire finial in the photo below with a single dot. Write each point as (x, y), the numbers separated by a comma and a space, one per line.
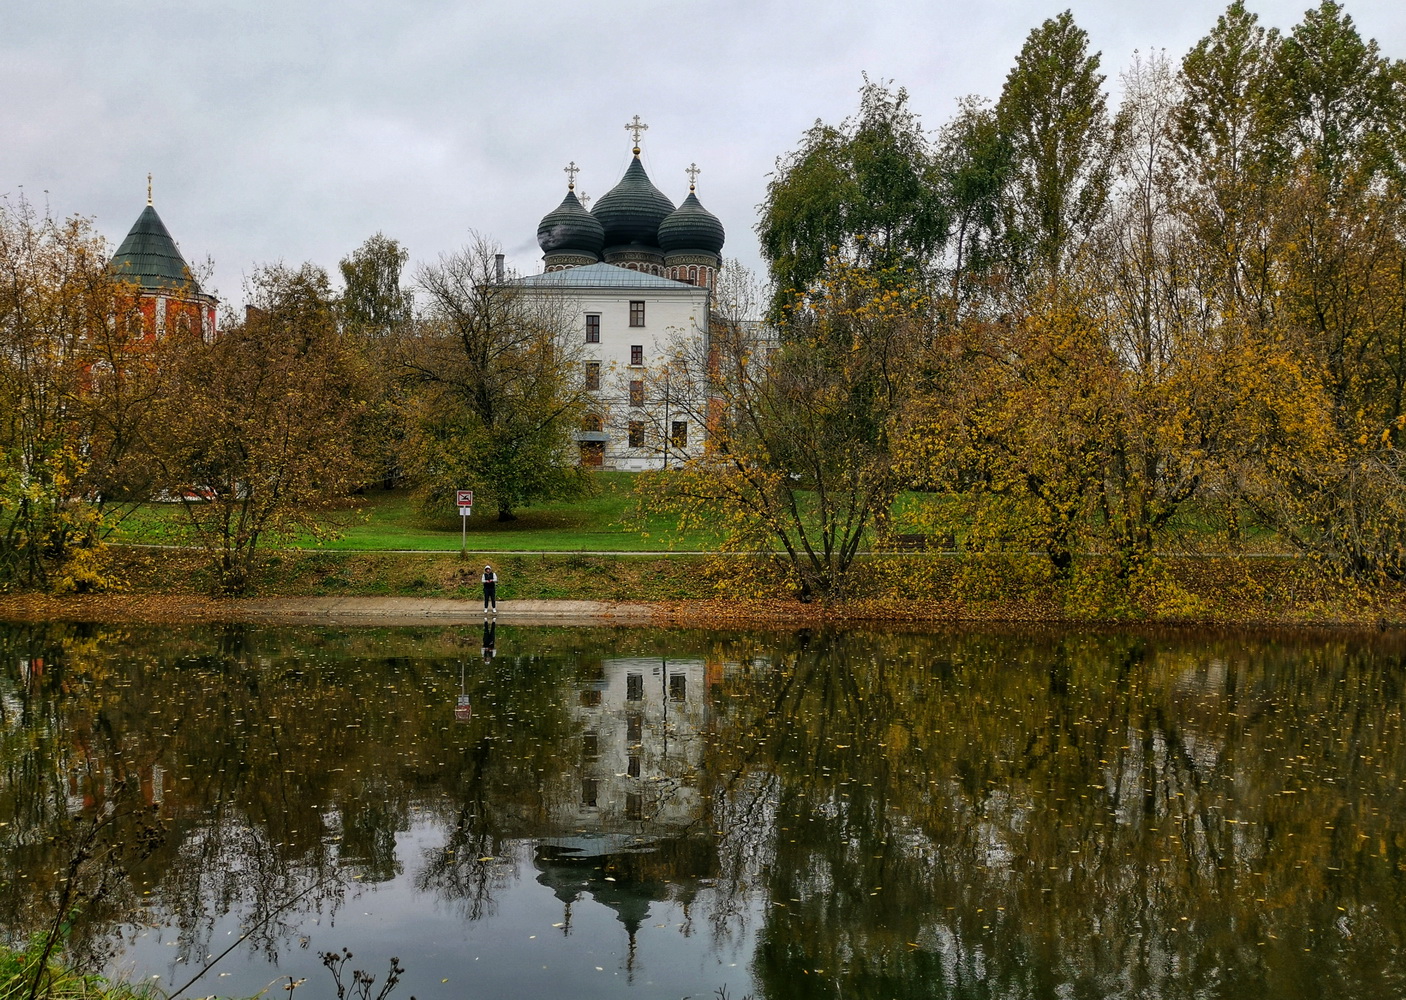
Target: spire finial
(148, 188)
(584, 199)
(693, 170)
(636, 127)
(571, 170)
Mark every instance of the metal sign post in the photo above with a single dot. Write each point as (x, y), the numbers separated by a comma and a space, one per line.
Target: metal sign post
(465, 500)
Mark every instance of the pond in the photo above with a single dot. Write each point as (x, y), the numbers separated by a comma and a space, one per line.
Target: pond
(523, 812)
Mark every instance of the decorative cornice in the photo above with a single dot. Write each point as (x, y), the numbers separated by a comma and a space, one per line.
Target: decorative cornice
(624, 255)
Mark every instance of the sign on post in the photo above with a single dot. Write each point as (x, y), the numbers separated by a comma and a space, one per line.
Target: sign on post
(465, 500)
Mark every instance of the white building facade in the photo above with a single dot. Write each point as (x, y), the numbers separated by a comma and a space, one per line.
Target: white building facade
(634, 279)
(626, 325)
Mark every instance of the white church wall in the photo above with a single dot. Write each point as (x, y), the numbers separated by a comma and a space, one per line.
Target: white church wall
(637, 328)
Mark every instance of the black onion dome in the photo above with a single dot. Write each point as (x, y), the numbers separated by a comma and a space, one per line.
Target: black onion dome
(632, 210)
(691, 227)
(570, 227)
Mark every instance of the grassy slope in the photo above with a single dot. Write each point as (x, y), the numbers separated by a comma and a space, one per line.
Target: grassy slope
(555, 541)
(380, 521)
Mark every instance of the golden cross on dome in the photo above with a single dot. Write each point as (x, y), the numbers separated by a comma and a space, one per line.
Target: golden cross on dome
(635, 128)
(571, 170)
(693, 170)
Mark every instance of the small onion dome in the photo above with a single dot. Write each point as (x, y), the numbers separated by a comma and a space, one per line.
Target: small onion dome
(570, 228)
(632, 210)
(691, 227)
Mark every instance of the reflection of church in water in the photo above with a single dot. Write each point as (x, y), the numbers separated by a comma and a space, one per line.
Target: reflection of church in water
(628, 824)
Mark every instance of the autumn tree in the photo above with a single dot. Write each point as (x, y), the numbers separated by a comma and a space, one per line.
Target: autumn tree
(1053, 115)
(1337, 100)
(1223, 138)
(1334, 252)
(64, 323)
(862, 192)
(376, 311)
(1108, 397)
(799, 457)
(497, 387)
(973, 170)
(255, 427)
(373, 303)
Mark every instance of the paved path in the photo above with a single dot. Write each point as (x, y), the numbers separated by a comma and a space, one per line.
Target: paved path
(315, 610)
(411, 610)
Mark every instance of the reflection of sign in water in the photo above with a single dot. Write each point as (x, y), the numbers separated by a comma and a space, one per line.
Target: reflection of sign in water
(463, 708)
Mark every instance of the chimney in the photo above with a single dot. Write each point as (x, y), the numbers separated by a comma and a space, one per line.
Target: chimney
(498, 267)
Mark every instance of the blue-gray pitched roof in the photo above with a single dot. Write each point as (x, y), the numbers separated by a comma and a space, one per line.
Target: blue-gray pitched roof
(602, 276)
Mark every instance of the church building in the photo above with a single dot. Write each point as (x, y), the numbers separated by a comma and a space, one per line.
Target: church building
(634, 275)
(167, 292)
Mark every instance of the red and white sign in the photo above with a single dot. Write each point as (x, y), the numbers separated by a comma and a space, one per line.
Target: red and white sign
(464, 498)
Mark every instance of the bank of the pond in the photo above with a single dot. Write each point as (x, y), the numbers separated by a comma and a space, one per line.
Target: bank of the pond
(695, 590)
(759, 613)
(59, 982)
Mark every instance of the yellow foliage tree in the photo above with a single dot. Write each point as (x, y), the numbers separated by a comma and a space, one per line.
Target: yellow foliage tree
(799, 462)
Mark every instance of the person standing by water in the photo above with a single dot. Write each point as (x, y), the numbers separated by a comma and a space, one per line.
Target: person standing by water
(490, 590)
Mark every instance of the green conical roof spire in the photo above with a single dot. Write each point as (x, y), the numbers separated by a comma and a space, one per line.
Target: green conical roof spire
(149, 257)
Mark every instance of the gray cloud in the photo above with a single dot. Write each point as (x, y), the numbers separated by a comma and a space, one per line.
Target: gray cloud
(294, 130)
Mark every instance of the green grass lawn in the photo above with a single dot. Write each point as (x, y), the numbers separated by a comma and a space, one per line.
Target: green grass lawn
(381, 520)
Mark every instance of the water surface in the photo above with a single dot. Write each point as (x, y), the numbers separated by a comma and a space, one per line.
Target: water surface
(622, 813)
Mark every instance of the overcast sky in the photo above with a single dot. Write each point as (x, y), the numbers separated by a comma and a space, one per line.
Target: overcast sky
(292, 130)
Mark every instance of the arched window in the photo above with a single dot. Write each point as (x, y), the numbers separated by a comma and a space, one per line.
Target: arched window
(592, 422)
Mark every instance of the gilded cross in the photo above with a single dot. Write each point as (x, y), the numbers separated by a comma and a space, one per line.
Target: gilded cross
(635, 128)
(571, 170)
(693, 170)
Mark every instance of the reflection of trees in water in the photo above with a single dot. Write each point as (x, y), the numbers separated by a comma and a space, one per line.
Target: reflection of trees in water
(475, 860)
(75, 814)
(1012, 817)
(285, 764)
(1007, 816)
(249, 748)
